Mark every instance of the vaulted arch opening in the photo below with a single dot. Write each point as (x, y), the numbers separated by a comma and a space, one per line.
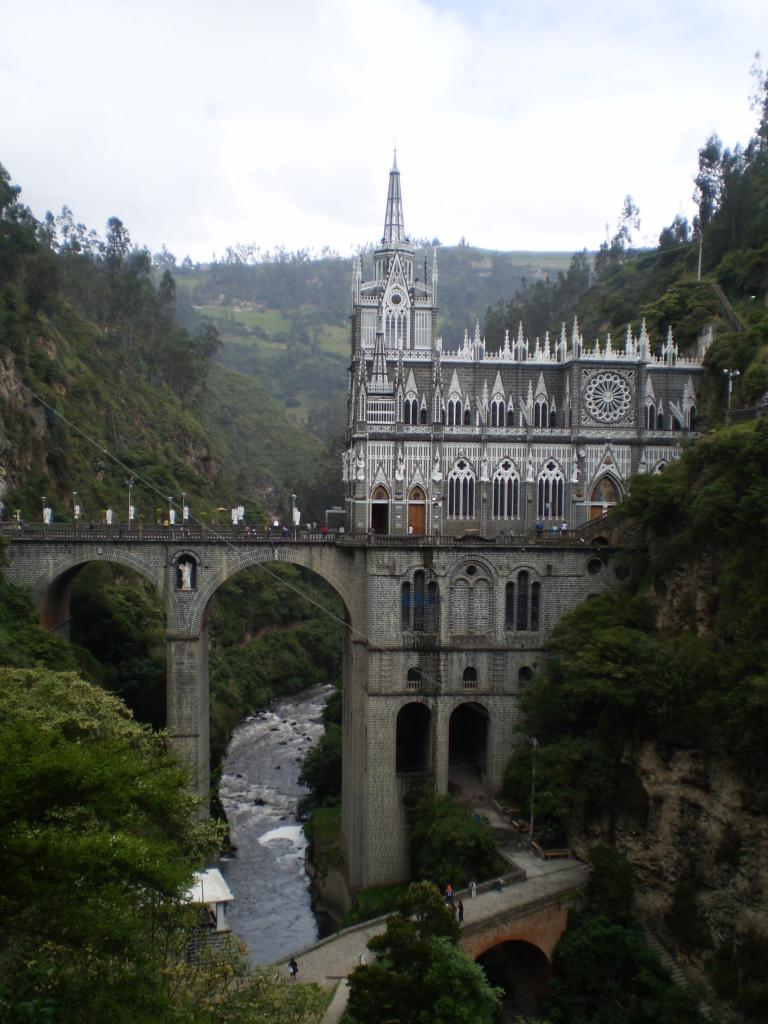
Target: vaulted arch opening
(417, 511)
(523, 971)
(605, 494)
(413, 739)
(468, 741)
(380, 510)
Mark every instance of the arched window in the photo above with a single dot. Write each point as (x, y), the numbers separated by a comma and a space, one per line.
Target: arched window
(540, 414)
(418, 602)
(524, 676)
(405, 607)
(419, 605)
(470, 679)
(692, 418)
(380, 510)
(461, 491)
(651, 417)
(553, 417)
(454, 412)
(497, 413)
(522, 600)
(509, 606)
(413, 681)
(660, 420)
(506, 492)
(535, 605)
(551, 492)
(510, 417)
(423, 414)
(467, 417)
(432, 616)
(411, 410)
(675, 423)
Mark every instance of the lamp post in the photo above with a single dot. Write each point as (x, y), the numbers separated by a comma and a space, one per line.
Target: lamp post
(729, 375)
(75, 509)
(129, 481)
(293, 514)
(184, 509)
(43, 500)
(534, 743)
(171, 515)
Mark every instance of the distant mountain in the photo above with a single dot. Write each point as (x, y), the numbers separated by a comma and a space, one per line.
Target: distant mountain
(284, 320)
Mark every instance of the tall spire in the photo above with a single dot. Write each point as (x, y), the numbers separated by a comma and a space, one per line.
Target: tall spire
(394, 228)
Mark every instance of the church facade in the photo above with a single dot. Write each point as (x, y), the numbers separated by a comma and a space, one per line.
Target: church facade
(461, 441)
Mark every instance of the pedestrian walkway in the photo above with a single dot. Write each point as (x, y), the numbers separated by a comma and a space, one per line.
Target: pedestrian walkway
(331, 960)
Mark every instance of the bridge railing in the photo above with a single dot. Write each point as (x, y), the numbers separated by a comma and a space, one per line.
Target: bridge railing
(594, 532)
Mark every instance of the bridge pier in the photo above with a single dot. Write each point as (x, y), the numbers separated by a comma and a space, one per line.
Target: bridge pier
(188, 703)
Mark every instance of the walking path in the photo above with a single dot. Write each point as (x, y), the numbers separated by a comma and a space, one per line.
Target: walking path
(331, 960)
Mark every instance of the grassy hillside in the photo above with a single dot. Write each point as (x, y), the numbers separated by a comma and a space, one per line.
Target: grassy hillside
(285, 322)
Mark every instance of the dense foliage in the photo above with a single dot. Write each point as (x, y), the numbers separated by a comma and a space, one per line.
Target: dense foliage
(449, 845)
(603, 972)
(419, 976)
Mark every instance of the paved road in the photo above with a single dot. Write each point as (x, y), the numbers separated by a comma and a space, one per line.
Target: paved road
(331, 960)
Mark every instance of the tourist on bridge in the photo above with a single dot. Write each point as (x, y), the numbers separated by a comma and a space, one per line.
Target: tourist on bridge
(293, 969)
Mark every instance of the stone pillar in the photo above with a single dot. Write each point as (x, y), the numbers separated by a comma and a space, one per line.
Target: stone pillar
(354, 742)
(187, 709)
(441, 746)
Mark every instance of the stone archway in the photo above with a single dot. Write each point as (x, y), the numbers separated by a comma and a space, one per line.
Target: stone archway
(522, 970)
(417, 511)
(380, 510)
(413, 739)
(605, 494)
(468, 743)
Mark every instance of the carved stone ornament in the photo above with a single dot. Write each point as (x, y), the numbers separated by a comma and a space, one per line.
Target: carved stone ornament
(607, 396)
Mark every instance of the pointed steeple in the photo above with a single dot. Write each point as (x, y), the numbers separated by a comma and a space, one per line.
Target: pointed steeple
(380, 383)
(394, 227)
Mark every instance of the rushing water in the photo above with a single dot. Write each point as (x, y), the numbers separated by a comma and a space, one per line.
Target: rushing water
(259, 791)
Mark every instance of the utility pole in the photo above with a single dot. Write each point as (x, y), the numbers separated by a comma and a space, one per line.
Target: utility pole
(729, 375)
(534, 743)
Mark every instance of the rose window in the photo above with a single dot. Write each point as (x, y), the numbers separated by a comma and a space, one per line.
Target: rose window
(607, 397)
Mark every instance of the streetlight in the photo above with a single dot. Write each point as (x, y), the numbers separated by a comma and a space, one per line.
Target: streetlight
(44, 499)
(129, 481)
(534, 743)
(171, 513)
(730, 374)
(293, 514)
(184, 509)
(75, 508)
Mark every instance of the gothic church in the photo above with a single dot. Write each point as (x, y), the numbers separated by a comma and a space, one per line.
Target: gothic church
(464, 441)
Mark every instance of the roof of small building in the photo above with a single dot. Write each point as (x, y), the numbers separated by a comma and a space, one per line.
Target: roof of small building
(209, 887)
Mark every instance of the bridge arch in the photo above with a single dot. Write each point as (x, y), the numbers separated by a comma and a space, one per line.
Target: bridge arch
(52, 588)
(522, 969)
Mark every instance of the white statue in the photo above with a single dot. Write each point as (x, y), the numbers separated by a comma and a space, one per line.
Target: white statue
(360, 462)
(575, 473)
(344, 468)
(484, 469)
(529, 470)
(437, 476)
(186, 575)
(400, 467)
(172, 516)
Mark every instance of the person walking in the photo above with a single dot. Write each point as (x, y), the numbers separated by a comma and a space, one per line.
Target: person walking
(293, 969)
(473, 888)
(460, 910)
(449, 894)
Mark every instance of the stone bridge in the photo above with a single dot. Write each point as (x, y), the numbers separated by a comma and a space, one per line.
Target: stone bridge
(441, 636)
(530, 915)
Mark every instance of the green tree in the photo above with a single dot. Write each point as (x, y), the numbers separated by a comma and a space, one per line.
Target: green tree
(449, 845)
(420, 977)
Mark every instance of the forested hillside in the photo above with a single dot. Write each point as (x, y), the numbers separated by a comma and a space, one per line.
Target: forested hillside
(283, 317)
(652, 715)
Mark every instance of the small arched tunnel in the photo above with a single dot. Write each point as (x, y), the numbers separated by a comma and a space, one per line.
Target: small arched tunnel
(468, 745)
(523, 971)
(413, 741)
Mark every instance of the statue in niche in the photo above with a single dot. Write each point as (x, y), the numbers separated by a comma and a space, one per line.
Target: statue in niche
(185, 580)
(484, 469)
(437, 476)
(344, 468)
(400, 466)
(360, 462)
(529, 470)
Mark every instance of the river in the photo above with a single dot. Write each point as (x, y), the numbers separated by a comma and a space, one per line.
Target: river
(259, 791)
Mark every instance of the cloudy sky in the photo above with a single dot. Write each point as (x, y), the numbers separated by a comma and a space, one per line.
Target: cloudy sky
(519, 125)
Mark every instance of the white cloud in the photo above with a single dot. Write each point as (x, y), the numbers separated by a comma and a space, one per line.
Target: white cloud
(518, 125)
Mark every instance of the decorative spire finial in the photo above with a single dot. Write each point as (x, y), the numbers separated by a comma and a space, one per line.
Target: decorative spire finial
(394, 227)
